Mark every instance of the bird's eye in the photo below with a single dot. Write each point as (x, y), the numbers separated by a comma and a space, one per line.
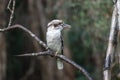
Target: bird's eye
(55, 25)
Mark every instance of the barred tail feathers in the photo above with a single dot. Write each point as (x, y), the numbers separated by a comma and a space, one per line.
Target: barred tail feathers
(59, 64)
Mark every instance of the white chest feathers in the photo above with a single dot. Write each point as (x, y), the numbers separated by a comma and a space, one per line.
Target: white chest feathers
(53, 37)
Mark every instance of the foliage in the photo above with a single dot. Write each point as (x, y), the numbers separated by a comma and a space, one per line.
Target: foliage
(90, 20)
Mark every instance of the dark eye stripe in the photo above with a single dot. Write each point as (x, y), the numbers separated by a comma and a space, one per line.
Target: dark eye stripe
(57, 24)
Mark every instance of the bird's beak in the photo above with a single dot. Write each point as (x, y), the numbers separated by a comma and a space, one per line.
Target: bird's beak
(66, 26)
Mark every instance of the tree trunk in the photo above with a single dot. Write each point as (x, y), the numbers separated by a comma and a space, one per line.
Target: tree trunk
(2, 42)
(38, 26)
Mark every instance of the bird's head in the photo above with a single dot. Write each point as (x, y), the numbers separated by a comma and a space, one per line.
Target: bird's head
(58, 24)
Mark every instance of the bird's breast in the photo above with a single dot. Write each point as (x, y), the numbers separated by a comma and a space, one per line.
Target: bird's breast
(54, 40)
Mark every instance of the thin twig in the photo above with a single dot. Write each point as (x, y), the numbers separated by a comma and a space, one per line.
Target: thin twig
(62, 57)
(11, 11)
(8, 6)
(26, 30)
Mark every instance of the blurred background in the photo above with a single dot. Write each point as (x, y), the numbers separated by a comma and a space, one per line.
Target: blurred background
(85, 42)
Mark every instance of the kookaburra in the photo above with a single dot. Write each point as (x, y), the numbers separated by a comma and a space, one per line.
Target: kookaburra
(54, 38)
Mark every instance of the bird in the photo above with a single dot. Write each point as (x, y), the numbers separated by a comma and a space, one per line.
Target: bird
(54, 38)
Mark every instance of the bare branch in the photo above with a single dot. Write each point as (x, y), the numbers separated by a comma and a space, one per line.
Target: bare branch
(8, 7)
(26, 30)
(62, 57)
(48, 52)
(45, 53)
(11, 11)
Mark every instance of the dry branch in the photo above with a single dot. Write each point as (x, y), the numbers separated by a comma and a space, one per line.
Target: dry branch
(48, 52)
(45, 53)
(26, 30)
(11, 11)
(62, 57)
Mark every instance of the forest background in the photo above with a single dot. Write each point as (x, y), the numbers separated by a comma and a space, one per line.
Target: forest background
(85, 43)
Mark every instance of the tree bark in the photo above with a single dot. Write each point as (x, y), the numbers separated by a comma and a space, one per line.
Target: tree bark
(2, 42)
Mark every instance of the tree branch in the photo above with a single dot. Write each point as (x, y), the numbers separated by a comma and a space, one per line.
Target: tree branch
(62, 57)
(48, 52)
(11, 11)
(8, 6)
(45, 53)
(26, 30)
